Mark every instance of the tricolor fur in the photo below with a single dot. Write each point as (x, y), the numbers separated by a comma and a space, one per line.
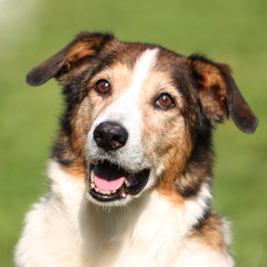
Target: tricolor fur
(131, 169)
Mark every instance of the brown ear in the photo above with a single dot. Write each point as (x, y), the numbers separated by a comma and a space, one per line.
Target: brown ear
(84, 45)
(219, 95)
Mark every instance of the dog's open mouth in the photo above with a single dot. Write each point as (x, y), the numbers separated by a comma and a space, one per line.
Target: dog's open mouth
(108, 182)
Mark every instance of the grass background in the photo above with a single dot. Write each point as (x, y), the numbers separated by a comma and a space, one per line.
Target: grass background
(229, 31)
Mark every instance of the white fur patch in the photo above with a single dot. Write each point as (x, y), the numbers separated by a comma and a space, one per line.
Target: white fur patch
(51, 236)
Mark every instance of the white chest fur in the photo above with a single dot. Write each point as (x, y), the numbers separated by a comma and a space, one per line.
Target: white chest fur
(65, 230)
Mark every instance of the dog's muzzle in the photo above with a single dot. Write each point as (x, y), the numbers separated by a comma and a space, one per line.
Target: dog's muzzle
(108, 181)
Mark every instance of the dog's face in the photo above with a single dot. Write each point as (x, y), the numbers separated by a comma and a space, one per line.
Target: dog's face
(139, 116)
(135, 116)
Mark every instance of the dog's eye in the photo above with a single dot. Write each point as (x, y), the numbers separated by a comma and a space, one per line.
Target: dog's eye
(102, 86)
(164, 101)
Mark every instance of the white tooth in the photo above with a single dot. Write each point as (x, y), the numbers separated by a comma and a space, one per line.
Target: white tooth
(92, 176)
(92, 185)
(123, 194)
(113, 191)
(127, 183)
(108, 192)
(97, 190)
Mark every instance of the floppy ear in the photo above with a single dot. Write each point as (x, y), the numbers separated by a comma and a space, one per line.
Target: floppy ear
(219, 95)
(84, 45)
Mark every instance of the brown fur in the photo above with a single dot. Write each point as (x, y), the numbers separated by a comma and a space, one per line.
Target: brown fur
(210, 233)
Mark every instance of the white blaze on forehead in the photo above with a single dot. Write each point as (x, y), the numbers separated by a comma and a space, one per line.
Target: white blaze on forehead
(141, 71)
(126, 110)
(142, 68)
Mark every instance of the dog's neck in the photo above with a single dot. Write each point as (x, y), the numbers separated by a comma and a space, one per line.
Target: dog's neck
(130, 228)
(117, 230)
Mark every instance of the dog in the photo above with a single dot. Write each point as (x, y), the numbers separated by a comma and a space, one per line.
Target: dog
(131, 167)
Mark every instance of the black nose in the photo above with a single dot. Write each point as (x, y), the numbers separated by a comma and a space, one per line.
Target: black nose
(110, 135)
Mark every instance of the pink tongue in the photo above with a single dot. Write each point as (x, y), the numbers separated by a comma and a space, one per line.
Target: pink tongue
(109, 178)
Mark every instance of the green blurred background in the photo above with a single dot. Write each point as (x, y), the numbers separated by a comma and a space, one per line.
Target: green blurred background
(229, 31)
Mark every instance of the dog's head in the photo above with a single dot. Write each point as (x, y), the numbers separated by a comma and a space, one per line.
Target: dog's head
(139, 116)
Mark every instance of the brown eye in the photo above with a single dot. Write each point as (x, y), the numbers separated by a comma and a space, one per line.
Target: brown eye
(165, 101)
(102, 86)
